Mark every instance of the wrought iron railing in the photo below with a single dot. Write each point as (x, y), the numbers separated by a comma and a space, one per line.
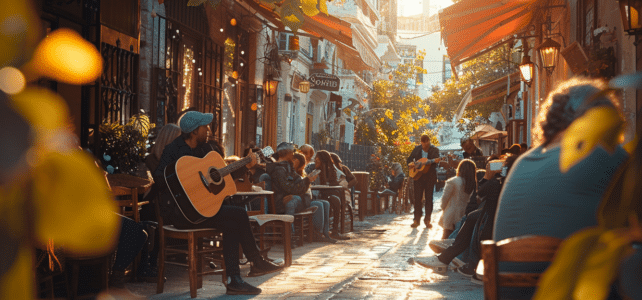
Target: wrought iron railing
(118, 84)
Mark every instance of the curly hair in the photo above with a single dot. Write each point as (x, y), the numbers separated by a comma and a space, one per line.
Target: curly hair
(328, 173)
(466, 170)
(568, 102)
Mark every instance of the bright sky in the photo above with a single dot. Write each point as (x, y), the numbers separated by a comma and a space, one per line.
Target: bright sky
(413, 7)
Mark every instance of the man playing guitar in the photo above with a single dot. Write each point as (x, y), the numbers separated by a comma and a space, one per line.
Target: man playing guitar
(423, 161)
(232, 220)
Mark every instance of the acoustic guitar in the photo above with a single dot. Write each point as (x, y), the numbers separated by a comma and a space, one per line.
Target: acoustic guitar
(199, 185)
(421, 167)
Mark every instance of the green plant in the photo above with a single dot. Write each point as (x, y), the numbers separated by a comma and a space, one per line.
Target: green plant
(123, 147)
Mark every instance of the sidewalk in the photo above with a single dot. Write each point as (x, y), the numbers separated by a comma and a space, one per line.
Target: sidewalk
(372, 265)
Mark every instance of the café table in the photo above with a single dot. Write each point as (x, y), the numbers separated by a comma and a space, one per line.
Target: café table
(129, 186)
(341, 191)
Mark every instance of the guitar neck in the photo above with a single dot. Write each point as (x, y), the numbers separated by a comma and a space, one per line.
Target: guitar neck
(234, 166)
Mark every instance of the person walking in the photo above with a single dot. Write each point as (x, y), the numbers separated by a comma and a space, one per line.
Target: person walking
(424, 184)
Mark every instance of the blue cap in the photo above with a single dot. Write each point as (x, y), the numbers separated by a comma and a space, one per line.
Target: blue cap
(193, 119)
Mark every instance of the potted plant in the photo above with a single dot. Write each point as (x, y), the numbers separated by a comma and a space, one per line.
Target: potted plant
(123, 147)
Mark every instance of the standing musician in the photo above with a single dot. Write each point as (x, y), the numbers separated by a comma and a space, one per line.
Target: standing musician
(231, 220)
(425, 158)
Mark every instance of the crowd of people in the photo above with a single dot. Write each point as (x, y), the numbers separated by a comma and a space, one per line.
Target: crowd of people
(522, 191)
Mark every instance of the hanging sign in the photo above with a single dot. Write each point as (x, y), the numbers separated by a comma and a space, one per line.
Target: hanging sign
(323, 81)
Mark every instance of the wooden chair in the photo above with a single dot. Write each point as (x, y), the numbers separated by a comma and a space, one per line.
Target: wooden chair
(303, 226)
(529, 248)
(272, 228)
(196, 251)
(126, 189)
(73, 264)
(408, 194)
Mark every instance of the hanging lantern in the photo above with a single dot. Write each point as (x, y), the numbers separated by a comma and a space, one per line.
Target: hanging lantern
(293, 44)
(233, 22)
(526, 69)
(630, 13)
(304, 86)
(548, 52)
(271, 85)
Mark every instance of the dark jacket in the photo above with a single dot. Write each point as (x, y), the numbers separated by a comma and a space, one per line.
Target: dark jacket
(477, 152)
(285, 181)
(433, 152)
(396, 183)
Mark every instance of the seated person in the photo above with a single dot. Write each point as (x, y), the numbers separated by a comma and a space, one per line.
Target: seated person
(308, 151)
(287, 185)
(470, 149)
(330, 175)
(488, 194)
(398, 176)
(537, 197)
(232, 221)
(456, 195)
(321, 218)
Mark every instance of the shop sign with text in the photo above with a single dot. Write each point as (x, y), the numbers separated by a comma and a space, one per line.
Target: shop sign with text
(323, 81)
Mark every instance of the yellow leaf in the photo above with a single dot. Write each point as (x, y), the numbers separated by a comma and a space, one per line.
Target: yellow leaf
(558, 282)
(73, 205)
(309, 7)
(20, 32)
(600, 267)
(389, 114)
(17, 282)
(585, 133)
(42, 108)
(64, 55)
(323, 6)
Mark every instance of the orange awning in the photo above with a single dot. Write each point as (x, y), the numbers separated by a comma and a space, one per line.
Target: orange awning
(333, 29)
(471, 26)
(495, 89)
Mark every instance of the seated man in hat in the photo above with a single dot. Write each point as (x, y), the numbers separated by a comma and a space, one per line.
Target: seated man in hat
(231, 220)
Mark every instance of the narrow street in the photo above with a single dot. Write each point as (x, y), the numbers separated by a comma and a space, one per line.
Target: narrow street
(372, 265)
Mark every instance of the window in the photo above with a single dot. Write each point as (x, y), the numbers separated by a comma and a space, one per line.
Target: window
(586, 21)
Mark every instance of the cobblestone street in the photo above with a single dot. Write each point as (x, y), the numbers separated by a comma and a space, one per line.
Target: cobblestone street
(372, 265)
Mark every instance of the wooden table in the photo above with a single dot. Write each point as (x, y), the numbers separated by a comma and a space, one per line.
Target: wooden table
(363, 184)
(343, 201)
(129, 185)
(248, 196)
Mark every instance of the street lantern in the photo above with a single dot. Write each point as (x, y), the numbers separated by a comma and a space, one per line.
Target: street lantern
(548, 52)
(270, 86)
(526, 69)
(630, 13)
(304, 86)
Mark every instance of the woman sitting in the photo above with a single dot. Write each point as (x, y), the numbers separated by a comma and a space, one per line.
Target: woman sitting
(321, 218)
(456, 194)
(330, 175)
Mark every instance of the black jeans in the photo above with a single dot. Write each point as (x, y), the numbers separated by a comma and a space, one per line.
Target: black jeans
(235, 225)
(424, 186)
(463, 238)
(131, 240)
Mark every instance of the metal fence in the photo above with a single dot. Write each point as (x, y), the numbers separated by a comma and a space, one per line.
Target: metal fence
(355, 157)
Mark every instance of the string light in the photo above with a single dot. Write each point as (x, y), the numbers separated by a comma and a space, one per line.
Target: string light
(188, 71)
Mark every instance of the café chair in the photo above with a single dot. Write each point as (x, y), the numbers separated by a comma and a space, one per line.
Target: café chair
(528, 248)
(197, 250)
(303, 225)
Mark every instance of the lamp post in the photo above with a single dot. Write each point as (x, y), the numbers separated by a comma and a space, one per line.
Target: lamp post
(526, 69)
(548, 52)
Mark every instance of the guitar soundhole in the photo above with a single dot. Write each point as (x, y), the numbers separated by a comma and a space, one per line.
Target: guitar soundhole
(216, 176)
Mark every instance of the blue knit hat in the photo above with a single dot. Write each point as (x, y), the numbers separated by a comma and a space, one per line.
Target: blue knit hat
(193, 119)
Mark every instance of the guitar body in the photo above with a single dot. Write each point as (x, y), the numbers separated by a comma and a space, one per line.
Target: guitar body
(421, 167)
(196, 193)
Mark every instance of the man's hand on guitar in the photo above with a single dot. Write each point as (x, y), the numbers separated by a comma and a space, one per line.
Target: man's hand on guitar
(254, 160)
(411, 165)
